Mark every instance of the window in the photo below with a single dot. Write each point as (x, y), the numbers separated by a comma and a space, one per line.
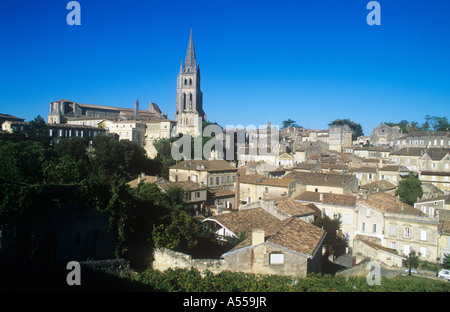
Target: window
(393, 231)
(347, 219)
(217, 180)
(406, 249)
(368, 212)
(374, 228)
(363, 226)
(228, 179)
(393, 245)
(223, 180)
(276, 258)
(266, 190)
(423, 235)
(407, 233)
(211, 180)
(176, 178)
(423, 252)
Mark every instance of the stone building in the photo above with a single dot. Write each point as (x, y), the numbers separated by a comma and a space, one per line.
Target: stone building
(383, 134)
(424, 139)
(335, 205)
(189, 112)
(398, 226)
(339, 137)
(289, 247)
(346, 184)
(210, 173)
(255, 187)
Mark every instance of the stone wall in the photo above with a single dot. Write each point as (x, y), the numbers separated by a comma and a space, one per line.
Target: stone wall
(166, 259)
(115, 267)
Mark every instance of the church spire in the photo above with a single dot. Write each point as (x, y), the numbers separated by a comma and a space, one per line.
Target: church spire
(190, 63)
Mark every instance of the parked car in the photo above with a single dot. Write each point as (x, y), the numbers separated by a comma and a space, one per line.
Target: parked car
(412, 271)
(444, 273)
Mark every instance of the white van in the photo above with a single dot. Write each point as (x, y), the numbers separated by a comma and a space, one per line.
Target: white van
(444, 273)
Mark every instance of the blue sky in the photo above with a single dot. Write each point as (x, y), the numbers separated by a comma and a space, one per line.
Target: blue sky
(312, 61)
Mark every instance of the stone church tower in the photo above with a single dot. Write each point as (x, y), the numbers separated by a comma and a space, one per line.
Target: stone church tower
(189, 112)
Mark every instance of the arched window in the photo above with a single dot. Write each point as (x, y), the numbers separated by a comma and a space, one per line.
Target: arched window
(184, 101)
(190, 81)
(185, 81)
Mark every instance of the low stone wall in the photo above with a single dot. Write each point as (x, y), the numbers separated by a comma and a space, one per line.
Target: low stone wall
(167, 259)
(115, 267)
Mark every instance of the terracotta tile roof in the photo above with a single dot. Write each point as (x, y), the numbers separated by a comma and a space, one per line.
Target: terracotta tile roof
(262, 180)
(292, 207)
(145, 179)
(220, 192)
(327, 198)
(364, 169)
(382, 185)
(388, 203)
(409, 151)
(434, 173)
(379, 247)
(318, 178)
(390, 168)
(293, 234)
(185, 185)
(204, 165)
(437, 154)
(246, 220)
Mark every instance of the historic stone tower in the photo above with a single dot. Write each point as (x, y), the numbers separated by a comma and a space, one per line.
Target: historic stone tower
(189, 112)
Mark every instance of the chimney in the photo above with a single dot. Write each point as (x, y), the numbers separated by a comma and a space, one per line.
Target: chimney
(236, 193)
(257, 237)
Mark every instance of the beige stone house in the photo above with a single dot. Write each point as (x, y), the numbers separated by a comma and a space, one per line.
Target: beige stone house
(326, 182)
(284, 208)
(408, 157)
(444, 236)
(439, 179)
(376, 252)
(255, 187)
(437, 160)
(290, 247)
(210, 173)
(335, 205)
(398, 226)
(157, 129)
(365, 175)
(392, 173)
(195, 194)
(131, 130)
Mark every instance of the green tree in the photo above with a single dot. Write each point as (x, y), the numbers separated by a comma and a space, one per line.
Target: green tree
(164, 156)
(335, 244)
(37, 130)
(177, 230)
(22, 161)
(289, 123)
(446, 261)
(412, 262)
(410, 189)
(355, 127)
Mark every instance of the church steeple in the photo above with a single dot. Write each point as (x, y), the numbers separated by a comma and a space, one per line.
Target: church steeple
(190, 63)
